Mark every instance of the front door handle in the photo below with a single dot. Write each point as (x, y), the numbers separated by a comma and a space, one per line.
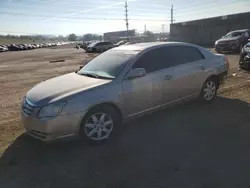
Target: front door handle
(168, 77)
(202, 67)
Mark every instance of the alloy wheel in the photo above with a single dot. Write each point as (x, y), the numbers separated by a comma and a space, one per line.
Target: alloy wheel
(98, 126)
(209, 90)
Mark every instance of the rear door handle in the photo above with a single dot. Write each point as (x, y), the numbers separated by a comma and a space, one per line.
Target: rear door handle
(168, 77)
(202, 67)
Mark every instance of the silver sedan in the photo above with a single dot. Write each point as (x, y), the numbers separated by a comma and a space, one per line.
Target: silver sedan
(120, 84)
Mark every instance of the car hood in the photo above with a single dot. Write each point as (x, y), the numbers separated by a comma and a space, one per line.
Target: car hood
(60, 87)
(228, 39)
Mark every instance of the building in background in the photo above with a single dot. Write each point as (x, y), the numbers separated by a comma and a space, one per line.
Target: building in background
(206, 31)
(114, 36)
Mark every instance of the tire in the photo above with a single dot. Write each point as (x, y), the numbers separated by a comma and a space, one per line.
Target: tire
(99, 124)
(209, 90)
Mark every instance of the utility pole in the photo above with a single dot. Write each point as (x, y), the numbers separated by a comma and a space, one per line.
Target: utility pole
(162, 27)
(145, 28)
(126, 17)
(172, 14)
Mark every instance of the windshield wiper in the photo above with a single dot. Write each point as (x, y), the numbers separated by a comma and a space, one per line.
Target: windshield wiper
(93, 75)
(89, 75)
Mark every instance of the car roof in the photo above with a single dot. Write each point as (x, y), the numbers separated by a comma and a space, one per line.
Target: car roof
(144, 46)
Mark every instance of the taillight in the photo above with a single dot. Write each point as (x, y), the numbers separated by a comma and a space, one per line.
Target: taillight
(225, 59)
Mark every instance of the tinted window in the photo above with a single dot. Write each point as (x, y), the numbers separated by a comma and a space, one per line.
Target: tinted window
(184, 54)
(168, 56)
(153, 60)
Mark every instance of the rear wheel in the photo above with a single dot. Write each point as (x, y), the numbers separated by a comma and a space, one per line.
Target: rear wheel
(209, 90)
(99, 124)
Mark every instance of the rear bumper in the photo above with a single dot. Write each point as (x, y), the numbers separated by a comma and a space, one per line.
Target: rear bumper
(222, 77)
(244, 64)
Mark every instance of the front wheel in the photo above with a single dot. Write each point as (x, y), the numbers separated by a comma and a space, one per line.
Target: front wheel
(209, 90)
(99, 124)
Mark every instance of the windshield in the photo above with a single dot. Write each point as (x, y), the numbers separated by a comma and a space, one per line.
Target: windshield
(93, 44)
(108, 64)
(233, 34)
(120, 43)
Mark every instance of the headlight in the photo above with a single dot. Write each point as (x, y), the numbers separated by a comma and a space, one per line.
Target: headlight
(51, 110)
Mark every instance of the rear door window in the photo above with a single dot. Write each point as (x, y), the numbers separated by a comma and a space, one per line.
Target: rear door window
(184, 54)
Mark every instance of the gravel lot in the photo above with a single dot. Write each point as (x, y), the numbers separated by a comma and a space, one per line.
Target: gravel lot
(192, 145)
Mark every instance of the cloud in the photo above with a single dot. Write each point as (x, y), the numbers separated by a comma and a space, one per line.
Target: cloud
(87, 10)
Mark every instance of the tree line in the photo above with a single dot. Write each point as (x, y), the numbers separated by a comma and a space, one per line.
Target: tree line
(86, 37)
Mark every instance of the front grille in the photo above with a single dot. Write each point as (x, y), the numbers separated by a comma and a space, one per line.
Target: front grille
(28, 107)
(37, 134)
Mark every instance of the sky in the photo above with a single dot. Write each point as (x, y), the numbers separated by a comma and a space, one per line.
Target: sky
(62, 17)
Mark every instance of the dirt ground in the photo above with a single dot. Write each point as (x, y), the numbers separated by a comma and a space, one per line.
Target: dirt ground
(192, 145)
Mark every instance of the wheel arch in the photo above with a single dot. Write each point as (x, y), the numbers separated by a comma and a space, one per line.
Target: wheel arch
(214, 77)
(110, 104)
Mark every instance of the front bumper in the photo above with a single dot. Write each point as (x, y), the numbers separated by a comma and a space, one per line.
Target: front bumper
(244, 60)
(228, 47)
(88, 50)
(244, 64)
(51, 129)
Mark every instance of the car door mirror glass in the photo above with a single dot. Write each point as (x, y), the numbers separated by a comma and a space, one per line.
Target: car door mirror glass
(138, 72)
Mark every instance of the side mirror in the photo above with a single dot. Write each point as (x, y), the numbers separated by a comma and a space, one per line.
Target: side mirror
(249, 40)
(138, 72)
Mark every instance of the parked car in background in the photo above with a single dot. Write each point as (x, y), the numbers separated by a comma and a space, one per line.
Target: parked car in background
(99, 47)
(244, 61)
(120, 43)
(13, 47)
(233, 41)
(3, 48)
(122, 83)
